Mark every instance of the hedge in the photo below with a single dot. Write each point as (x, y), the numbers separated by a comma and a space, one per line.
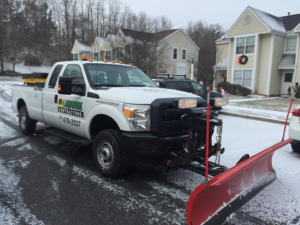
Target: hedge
(234, 89)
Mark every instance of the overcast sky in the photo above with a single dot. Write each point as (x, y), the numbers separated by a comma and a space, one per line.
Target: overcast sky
(224, 12)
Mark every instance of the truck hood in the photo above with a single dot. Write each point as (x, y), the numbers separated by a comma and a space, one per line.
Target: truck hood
(140, 95)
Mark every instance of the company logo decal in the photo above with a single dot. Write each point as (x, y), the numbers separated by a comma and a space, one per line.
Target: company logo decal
(70, 107)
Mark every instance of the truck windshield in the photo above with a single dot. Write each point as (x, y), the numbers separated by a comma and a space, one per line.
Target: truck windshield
(102, 75)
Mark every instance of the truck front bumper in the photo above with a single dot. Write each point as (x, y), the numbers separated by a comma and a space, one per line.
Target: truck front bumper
(149, 145)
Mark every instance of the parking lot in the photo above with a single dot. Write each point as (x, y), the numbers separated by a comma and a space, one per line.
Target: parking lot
(47, 180)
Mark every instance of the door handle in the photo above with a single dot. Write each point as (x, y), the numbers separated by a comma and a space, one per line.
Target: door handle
(55, 99)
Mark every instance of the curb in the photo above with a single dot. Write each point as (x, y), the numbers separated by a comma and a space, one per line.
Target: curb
(254, 118)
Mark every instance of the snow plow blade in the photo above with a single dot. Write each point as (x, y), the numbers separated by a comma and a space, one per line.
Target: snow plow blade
(228, 191)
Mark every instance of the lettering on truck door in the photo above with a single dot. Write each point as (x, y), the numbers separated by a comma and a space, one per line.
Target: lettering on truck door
(70, 108)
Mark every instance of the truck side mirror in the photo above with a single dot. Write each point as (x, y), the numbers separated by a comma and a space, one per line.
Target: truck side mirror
(65, 85)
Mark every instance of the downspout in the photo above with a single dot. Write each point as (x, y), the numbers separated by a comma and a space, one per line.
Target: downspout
(296, 61)
(270, 64)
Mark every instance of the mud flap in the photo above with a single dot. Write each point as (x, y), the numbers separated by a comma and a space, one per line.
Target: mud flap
(228, 191)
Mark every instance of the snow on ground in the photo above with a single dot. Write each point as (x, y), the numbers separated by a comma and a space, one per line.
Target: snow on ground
(248, 99)
(15, 142)
(280, 201)
(268, 108)
(6, 132)
(9, 184)
(21, 68)
(261, 113)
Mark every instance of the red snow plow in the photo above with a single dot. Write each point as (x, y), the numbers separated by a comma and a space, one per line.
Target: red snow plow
(228, 191)
(213, 201)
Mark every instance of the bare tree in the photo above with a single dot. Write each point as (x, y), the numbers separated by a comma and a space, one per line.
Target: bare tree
(149, 56)
(205, 35)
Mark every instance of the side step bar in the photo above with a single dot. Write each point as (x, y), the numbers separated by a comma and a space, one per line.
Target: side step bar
(82, 142)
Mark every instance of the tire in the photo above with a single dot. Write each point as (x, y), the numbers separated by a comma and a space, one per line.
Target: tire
(296, 147)
(108, 154)
(27, 125)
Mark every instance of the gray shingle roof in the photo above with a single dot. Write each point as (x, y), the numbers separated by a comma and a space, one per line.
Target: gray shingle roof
(274, 22)
(287, 61)
(291, 21)
(283, 24)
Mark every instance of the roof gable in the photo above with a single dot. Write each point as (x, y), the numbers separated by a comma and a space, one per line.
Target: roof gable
(297, 28)
(273, 22)
(81, 46)
(185, 34)
(256, 25)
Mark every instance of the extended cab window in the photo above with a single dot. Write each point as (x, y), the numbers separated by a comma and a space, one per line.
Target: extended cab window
(54, 76)
(74, 71)
(185, 86)
(171, 85)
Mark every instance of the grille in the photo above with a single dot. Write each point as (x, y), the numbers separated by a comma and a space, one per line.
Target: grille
(166, 119)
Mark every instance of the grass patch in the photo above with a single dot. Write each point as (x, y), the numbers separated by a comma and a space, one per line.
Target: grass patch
(278, 104)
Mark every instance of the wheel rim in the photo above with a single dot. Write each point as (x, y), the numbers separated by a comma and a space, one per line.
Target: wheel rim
(23, 121)
(105, 155)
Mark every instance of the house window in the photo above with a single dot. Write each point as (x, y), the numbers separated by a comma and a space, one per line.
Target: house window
(243, 77)
(291, 44)
(108, 55)
(174, 53)
(75, 57)
(96, 56)
(245, 45)
(120, 52)
(183, 56)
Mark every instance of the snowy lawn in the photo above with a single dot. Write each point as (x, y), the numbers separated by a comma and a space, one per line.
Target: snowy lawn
(21, 68)
(275, 104)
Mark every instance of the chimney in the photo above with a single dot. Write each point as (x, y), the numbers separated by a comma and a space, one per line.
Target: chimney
(289, 13)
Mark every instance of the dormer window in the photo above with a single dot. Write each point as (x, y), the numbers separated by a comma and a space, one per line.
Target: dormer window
(290, 44)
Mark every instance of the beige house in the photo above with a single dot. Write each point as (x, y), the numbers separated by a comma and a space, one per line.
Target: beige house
(81, 48)
(260, 51)
(178, 55)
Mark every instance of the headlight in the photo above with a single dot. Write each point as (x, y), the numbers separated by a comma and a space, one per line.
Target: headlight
(138, 117)
(221, 101)
(187, 103)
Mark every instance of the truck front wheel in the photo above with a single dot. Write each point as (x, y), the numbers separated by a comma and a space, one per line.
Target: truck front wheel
(27, 125)
(108, 153)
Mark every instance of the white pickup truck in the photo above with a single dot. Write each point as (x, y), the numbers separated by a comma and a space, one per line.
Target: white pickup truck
(116, 106)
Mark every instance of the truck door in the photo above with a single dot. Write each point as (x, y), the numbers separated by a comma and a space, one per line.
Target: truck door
(70, 108)
(50, 96)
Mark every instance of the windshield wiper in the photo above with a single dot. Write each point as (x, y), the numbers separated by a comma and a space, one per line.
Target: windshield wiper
(108, 85)
(136, 85)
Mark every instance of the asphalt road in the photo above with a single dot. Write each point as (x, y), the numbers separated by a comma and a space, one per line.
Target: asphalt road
(47, 180)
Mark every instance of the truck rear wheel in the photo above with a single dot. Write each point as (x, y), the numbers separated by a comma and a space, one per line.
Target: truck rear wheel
(27, 125)
(108, 153)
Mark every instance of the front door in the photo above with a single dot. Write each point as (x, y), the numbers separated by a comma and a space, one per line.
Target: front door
(287, 79)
